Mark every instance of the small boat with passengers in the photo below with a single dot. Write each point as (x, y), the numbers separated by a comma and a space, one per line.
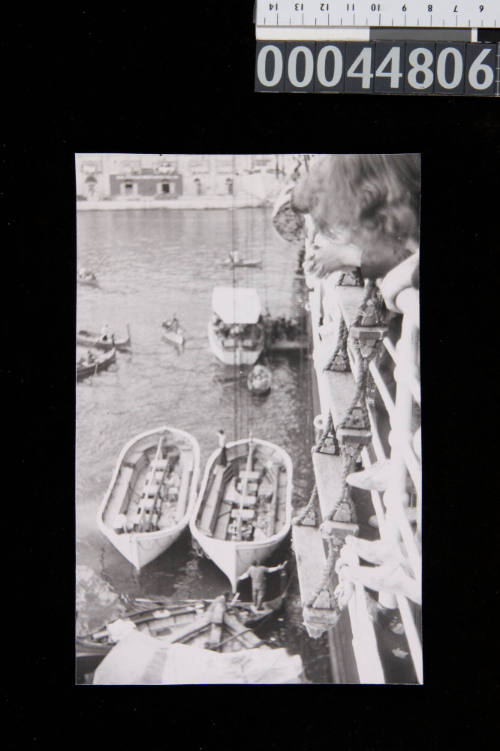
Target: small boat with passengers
(151, 494)
(173, 332)
(87, 278)
(244, 507)
(104, 341)
(235, 331)
(92, 364)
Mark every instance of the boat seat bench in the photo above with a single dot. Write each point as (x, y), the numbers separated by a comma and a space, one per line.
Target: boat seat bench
(123, 483)
(223, 519)
(210, 512)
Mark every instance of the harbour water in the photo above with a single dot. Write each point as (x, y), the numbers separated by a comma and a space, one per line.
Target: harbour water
(150, 265)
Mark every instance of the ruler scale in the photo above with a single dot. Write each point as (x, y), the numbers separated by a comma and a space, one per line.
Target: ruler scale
(446, 47)
(319, 15)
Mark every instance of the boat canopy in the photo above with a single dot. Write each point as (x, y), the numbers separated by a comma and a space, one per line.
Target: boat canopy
(236, 304)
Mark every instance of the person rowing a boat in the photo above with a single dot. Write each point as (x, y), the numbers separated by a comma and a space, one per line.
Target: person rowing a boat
(173, 323)
(257, 574)
(105, 332)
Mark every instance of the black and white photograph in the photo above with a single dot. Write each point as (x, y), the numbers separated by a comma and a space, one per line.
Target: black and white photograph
(248, 491)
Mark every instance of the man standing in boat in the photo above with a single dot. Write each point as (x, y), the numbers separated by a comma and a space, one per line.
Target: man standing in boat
(105, 332)
(222, 446)
(257, 573)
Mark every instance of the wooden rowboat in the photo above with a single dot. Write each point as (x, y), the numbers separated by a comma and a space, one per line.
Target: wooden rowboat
(94, 339)
(259, 380)
(244, 509)
(101, 362)
(182, 621)
(151, 494)
(173, 334)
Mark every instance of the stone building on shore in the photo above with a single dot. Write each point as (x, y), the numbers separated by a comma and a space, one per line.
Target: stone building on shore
(167, 177)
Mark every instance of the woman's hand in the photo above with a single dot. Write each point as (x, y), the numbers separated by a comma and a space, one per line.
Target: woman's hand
(398, 279)
(326, 255)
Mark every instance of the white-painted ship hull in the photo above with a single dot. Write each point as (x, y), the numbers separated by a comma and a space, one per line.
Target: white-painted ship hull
(235, 557)
(140, 548)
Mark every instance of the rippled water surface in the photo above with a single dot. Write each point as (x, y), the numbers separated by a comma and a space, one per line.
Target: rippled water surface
(151, 264)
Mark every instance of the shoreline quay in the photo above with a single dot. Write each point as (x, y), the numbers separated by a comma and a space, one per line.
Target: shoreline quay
(191, 202)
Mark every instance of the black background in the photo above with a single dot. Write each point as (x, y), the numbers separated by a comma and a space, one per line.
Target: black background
(149, 81)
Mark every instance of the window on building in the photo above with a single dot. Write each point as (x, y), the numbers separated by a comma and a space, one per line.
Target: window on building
(199, 164)
(165, 187)
(229, 185)
(129, 187)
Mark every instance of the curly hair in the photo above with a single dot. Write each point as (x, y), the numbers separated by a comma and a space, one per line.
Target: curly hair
(371, 197)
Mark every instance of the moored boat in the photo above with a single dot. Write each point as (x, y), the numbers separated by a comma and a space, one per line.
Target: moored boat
(87, 277)
(94, 339)
(90, 365)
(259, 380)
(235, 332)
(151, 494)
(243, 263)
(244, 508)
(163, 617)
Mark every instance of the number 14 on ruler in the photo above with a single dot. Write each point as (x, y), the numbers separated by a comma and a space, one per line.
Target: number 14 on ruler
(403, 13)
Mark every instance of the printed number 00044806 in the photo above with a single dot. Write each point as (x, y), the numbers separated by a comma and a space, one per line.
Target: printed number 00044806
(377, 67)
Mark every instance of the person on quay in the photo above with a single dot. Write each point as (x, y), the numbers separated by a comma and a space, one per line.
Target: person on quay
(257, 573)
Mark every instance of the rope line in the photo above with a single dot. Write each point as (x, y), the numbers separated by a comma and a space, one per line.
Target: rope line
(348, 458)
(309, 505)
(341, 348)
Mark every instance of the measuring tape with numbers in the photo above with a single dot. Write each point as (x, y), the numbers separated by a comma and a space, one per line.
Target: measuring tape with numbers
(386, 47)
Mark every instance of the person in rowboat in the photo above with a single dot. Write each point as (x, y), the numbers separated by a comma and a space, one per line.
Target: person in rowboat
(173, 323)
(105, 332)
(257, 573)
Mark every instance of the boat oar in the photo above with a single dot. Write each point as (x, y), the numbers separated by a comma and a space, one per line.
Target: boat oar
(233, 636)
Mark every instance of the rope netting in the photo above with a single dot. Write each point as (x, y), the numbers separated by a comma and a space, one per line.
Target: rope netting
(356, 418)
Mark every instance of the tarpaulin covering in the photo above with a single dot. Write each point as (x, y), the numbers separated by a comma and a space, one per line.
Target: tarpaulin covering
(141, 659)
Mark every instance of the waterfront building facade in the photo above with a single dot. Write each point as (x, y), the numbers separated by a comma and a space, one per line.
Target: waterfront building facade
(167, 177)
